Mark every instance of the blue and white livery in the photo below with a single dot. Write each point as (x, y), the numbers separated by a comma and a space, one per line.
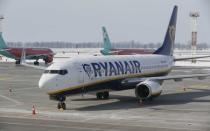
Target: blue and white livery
(101, 74)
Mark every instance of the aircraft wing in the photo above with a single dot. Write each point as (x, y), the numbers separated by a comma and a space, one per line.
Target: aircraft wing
(38, 56)
(176, 78)
(189, 58)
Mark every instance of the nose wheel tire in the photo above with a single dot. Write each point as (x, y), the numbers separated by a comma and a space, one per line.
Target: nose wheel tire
(102, 95)
(62, 105)
(36, 63)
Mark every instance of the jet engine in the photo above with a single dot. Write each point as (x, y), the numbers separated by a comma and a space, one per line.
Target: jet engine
(148, 89)
(48, 59)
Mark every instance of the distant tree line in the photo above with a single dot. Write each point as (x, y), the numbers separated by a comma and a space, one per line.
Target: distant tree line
(130, 44)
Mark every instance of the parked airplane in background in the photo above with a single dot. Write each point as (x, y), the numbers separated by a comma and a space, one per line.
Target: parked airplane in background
(101, 74)
(109, 50)
(31, 53)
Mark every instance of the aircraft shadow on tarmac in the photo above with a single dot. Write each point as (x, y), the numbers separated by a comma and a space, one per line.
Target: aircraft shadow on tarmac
(131, 102)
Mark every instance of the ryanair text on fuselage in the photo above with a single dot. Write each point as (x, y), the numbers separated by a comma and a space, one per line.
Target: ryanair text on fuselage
(114, 68)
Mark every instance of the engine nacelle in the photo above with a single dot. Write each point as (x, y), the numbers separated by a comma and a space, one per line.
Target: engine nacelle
(148, 89)
(49, 59)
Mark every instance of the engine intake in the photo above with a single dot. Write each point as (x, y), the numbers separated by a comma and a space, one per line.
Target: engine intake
(148, 89)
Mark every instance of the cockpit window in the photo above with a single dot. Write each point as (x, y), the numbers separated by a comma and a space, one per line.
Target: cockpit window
(60, 72)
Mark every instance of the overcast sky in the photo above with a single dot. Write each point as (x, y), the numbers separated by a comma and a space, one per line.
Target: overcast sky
(81, 20)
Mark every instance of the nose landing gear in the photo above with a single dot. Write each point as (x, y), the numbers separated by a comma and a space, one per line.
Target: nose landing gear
(61, 103)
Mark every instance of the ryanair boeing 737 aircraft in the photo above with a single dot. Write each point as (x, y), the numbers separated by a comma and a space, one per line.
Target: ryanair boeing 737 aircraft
(101, 74)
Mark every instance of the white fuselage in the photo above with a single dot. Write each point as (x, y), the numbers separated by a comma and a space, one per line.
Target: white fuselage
(87, 72)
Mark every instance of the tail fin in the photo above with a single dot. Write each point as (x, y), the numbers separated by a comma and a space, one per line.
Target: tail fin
(106, 42)
(2, 42)
(168, 44)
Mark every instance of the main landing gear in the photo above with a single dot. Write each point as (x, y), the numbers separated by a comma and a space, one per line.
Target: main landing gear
(61, 103)
(17, 62)
(102, 95)
(36, 62)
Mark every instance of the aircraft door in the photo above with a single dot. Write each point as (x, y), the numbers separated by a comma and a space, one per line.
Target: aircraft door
(80, 76)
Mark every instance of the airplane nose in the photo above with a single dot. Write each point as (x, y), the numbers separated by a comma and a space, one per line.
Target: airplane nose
(44, 82)
(41, 83)
(47, 82)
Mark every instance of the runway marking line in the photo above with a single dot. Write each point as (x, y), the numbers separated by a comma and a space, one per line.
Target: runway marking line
(10, 99)
(199, 86)
(1, 79)
(29, 88)
(194, 87)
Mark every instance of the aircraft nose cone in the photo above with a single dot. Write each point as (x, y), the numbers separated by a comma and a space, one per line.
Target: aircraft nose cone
(43, 82)
(47, 82)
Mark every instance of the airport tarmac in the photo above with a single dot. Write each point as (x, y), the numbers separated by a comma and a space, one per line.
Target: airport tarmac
(182, 106)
